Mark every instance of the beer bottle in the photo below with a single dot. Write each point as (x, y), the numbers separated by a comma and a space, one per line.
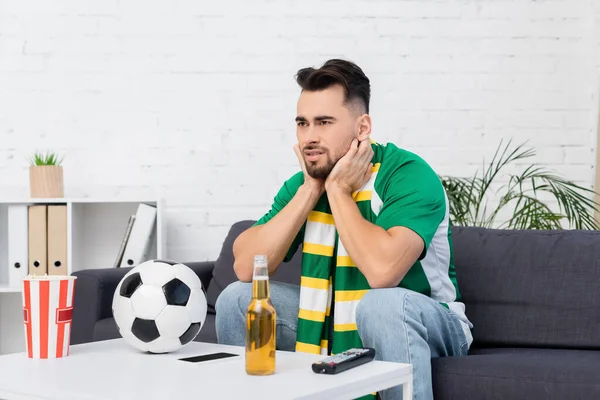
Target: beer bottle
(260, 323)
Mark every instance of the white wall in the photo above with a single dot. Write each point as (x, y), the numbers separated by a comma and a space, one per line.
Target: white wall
(194, 101)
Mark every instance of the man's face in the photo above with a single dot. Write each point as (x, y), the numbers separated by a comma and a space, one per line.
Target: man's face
(325, 128)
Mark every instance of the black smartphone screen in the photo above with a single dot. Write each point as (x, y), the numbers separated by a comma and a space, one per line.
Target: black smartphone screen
(207, 357)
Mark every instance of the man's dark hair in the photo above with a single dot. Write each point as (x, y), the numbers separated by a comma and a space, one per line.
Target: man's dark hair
(356, 84)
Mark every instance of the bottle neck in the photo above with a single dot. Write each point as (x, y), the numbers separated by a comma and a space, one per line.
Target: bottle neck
(260, 288)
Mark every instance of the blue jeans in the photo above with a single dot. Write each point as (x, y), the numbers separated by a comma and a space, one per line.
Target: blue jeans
(401, 325)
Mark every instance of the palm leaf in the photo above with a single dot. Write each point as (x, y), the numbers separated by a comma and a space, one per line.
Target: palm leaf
(460, 198)
(468, 197)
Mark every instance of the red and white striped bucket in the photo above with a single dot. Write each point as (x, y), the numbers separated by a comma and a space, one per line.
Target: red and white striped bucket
(47, 313)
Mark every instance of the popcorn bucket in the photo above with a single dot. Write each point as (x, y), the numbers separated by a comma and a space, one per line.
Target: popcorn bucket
(47, 314)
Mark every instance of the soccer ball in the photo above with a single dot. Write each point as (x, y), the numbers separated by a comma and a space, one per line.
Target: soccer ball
(159, 306)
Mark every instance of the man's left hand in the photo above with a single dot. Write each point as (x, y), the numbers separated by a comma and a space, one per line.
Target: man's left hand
(353, 170)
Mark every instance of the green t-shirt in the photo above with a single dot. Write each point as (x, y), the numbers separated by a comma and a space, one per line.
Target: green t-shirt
(407, 192)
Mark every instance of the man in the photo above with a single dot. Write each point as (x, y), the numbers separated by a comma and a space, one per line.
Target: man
(377, 253)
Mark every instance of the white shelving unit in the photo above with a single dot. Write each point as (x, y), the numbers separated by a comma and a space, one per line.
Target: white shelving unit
(95, 230)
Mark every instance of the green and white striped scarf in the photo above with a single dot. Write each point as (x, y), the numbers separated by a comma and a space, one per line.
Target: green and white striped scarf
(323, 252)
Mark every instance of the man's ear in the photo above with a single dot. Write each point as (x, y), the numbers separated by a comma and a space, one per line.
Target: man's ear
(364, 127)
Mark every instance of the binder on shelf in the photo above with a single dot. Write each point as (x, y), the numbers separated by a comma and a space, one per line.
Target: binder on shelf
(57, 240)
(37, 238)
(17, 244)
(138, 245)
(124, 242)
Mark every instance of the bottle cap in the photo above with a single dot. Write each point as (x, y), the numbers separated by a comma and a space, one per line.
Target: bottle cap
(261, 270)
(260, 260)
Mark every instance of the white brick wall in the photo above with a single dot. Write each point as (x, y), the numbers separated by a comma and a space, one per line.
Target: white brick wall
(194, 101)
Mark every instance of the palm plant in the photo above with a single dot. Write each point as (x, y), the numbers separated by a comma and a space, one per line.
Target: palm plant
(468, 197)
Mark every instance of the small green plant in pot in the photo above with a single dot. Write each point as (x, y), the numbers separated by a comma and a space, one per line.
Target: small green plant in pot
(521, 198)
(46, 175)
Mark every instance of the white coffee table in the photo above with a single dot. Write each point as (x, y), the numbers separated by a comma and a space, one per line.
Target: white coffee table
(111, 369)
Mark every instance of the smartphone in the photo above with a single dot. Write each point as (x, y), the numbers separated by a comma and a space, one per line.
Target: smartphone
(208, 357)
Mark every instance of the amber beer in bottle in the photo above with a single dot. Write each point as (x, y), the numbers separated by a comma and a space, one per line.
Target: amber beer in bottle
(260, 323)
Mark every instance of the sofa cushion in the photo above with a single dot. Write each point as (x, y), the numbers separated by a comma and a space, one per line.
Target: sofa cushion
(208, 333)
(223, 273)
(518, 374)
(106, 329)
(530, 288)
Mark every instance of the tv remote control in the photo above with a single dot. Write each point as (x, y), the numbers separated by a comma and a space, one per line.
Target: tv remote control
(344, 361)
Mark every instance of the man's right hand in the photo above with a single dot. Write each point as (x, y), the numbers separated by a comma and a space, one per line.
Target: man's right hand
(316, 186)
(275, 237)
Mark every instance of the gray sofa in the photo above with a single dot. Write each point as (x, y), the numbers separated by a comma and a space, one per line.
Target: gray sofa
(533, 297)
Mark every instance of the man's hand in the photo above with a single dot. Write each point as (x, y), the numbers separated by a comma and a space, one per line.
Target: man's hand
(275, 237)
(353, 170)
(316, 186)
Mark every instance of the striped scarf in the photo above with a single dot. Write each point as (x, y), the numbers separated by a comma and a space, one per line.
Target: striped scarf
(326, 265)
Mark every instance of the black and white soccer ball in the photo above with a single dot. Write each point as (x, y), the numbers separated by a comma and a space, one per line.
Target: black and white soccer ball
(159, 306)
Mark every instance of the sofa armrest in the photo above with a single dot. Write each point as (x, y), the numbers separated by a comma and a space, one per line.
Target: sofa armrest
(92, 301)
(94, 290)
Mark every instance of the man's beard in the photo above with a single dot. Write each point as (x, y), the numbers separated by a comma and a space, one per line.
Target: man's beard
(314, 169)
(320, 172)
(317, 171)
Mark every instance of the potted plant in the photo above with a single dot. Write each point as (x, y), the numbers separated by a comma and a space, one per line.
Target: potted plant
(536, 198)
(46, 175)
